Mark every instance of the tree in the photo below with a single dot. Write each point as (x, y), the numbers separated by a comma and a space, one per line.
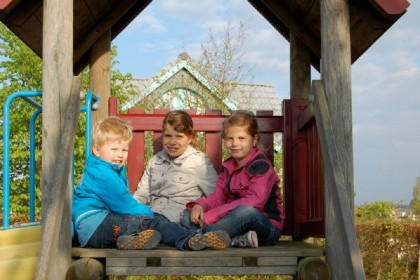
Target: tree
(21, 69)
(415, 202)
(378, 210)
(221, 59)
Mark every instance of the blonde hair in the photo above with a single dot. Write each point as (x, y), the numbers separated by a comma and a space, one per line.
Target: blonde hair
(111, 129)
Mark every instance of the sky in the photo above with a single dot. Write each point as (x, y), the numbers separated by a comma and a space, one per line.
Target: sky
(385, 80)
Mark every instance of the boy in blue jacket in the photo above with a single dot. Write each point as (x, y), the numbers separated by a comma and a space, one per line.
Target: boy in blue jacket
(106, 215)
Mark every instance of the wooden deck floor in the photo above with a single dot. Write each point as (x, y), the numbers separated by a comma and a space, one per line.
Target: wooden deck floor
(279, 259)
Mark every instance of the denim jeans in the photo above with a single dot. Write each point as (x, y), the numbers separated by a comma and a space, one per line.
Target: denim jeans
(239, 221)
(115, 225)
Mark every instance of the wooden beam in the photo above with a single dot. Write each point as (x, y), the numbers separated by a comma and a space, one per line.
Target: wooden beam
(342, 249)
(294, 27)
(52, 239)
(300, 69)
(57, 76)
(336, 82)
(100, 74)
(100, 29)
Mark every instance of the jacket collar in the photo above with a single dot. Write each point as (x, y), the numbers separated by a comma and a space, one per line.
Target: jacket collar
(163, 156)
(94, 160)
(230, 163)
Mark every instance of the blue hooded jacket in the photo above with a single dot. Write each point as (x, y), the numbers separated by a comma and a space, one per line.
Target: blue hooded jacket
(104, 189)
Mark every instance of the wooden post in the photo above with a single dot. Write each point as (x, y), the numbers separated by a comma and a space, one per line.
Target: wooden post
(100, 74)
(336, 80)
(54, 257)
(341, 241)
(300, 69)
(57, 78)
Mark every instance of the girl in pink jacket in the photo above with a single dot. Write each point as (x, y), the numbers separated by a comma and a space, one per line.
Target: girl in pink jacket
(247, 201)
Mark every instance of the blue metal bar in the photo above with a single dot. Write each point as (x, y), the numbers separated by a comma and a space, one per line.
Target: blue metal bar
(6, 150)
(32, 166)
(92, 102)
(33, 102)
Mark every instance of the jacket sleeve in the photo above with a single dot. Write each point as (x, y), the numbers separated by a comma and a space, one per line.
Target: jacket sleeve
(142, 193)
(113, 191)
(215, 199)
(206, 176)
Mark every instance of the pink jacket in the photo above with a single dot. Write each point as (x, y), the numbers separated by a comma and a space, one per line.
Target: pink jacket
(253, 183)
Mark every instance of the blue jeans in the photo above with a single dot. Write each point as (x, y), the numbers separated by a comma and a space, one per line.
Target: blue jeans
(115, 225)
(239, 221)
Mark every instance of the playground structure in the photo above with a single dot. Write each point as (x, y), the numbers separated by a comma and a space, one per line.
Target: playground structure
(346, 31)
(20, 244)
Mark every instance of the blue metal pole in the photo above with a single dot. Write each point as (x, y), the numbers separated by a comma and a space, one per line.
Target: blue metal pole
(32, 148)
(6, 150)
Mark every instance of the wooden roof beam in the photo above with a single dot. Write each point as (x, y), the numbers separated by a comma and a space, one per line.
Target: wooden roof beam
(313, 45)
(277, 23)
(80, 57)
(99, 30)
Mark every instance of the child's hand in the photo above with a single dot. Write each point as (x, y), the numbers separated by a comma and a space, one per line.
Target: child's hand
(197, 215)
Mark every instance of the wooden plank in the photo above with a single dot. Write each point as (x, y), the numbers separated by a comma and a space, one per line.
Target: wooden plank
(175, 262)
(282, 249)
(275, 261)
(282, 270)
(97, 8)
(84, 20)
(308, 39)
(99, 30)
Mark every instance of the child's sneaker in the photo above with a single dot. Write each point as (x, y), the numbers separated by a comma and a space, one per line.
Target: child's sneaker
(249, 239)
(218, 240)
(144, 240)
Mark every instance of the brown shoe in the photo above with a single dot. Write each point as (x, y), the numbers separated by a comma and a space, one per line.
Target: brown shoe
(144, 240)
(217, 240)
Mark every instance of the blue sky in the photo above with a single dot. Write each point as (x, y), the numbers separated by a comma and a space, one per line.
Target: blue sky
(385, 80)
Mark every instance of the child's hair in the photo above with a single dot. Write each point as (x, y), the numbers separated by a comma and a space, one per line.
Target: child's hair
(241, 118)
(111, 129)
(181, 122)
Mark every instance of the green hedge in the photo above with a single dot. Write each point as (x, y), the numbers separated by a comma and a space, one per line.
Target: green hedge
(390, 250)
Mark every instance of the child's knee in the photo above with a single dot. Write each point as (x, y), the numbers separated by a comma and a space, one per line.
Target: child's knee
(185, 218)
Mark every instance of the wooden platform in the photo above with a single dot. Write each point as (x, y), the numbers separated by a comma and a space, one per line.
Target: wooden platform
(279, 259)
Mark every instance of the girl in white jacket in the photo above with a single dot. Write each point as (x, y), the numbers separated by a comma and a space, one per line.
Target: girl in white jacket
(179, 173)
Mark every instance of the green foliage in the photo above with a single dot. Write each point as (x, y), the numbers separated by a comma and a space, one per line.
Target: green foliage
(415, 203)
(21, 70)
(378, 210)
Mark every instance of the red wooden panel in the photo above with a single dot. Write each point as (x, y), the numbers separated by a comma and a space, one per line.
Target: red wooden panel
(113, 106)
(157, 133)
(136, 161)
(266, 138)
(287, 168)
(214, 144)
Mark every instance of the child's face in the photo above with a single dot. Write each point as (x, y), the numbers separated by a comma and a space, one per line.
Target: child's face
(175, 143)
(239, 142)
(114, 152)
